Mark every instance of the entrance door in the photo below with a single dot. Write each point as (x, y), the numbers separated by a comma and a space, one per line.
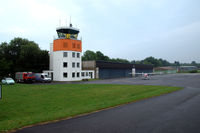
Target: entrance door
(91, 76)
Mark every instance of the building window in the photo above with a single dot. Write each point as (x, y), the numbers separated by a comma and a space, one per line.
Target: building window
(64, 54)
(73, 64)
(73, 45)
(78, 46)
(64, 64)
(65, 44)
(73, 54)
(78, 55)
(73, 75)
(65, 75)
(78, 65)
(82, 74)
(86, 73)
(77, 75)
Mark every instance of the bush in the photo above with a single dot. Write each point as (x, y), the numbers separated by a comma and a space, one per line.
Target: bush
(193, 71)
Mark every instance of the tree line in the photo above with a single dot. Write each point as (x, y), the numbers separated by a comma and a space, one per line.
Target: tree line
(22, 55)
(91, 55)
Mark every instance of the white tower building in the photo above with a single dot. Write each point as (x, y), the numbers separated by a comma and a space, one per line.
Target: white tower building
(67, 55)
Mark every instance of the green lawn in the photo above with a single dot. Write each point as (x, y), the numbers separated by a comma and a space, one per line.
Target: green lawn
(25, 104)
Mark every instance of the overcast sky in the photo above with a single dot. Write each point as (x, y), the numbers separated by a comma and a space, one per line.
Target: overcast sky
(130, 29)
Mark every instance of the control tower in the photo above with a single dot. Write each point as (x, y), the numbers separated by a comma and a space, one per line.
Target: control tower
(66, 55)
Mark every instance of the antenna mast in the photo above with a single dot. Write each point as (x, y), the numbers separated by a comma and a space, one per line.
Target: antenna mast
(70, 25)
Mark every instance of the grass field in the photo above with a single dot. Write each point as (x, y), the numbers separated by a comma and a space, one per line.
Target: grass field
(24, 104)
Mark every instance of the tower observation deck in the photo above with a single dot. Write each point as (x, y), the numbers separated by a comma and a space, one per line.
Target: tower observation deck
(67, 32)
(67, 39)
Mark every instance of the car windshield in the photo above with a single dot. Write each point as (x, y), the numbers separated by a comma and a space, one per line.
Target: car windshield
(9, 79)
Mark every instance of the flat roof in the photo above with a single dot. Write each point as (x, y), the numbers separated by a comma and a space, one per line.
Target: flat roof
(116, 65)
(67, 30)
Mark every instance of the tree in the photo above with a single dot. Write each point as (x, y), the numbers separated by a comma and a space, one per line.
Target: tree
(193, 63)
(152, 60)
(119, 60)
(29, 54)
(164, 62)
(101, 56)
(22, 55)
(133, 62)
(89, 55)
(176, 63)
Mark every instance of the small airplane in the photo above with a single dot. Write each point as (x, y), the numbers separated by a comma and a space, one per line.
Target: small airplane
(145, 76)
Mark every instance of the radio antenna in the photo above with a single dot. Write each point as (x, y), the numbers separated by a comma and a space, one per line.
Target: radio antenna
(70, 25)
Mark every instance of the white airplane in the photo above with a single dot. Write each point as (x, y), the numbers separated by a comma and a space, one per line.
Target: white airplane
(145, 76)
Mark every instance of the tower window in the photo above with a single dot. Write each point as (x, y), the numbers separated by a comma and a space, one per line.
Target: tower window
(77, 74)
(78, 64)
(78, 46)
(73, 54)
(64, 64)
(73, 75)
(65, 45)
(65, 75)
(64, 54)
(78, 55)
(73, 64)
(73, 45)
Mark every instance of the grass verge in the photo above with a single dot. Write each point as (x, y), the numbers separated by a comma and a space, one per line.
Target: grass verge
(24, 105)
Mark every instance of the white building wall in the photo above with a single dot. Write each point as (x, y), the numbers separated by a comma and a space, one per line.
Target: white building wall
(58, 68)
(51, 57)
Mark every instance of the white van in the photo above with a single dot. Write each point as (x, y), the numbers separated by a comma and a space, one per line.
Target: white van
(42, 77)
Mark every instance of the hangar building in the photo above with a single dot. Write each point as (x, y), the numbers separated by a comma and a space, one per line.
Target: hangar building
(143, 68)
(106, 70)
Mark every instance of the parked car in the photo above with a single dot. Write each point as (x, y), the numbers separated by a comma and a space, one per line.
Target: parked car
(8, 81)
